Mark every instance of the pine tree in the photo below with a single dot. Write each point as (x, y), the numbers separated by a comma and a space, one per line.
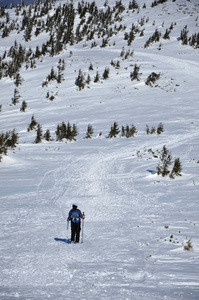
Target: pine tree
(37, 52)
(123, 131)
(33, 64)
(164, 162)
(88, 80)
(60, 76)
(58, 133)
(166, 35)
(12, 138)
(16, 97)
(23, 106)
(91, 67)
(177, 169)
(147, 129)
(114, 130)
(32, 124)
(80, 81)
(74, 132)
(131, 37)
(133, 5)
(184, 36)
(97, 77)
(69, 132)
(18, 80)
(89, 132)
(47, 135)
(132, 131)
(127, 131)
(153, 130)
(160, 128)
(39, 134)
(3, 147)
(152, 78)
(28, 31)
(135, 74)
(52, 75)
(5, 32)
(106, 73)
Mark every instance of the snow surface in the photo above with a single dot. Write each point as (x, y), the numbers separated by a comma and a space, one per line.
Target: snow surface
(136, 223)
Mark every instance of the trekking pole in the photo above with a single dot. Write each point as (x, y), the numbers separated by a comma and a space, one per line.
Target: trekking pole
(67, 238)
(83, 227)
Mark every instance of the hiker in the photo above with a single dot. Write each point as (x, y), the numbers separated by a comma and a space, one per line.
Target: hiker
(75, 217)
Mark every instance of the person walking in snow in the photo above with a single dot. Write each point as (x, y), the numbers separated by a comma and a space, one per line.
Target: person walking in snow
(75, 217)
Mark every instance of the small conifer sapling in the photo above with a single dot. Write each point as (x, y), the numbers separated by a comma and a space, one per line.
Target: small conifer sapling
(89, 132)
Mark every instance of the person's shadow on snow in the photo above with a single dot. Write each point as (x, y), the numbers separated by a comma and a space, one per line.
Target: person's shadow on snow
(68, 241)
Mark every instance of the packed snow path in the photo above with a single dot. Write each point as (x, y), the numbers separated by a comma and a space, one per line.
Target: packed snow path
(124, 254)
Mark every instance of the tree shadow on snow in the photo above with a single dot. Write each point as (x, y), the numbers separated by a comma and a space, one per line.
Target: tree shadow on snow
(67, 241)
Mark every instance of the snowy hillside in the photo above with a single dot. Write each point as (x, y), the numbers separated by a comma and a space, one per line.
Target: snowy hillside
(131, 66)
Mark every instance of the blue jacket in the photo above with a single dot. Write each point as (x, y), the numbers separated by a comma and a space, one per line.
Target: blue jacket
(70, 216)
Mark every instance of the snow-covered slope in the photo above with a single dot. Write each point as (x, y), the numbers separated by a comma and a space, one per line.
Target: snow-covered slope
(137, 223)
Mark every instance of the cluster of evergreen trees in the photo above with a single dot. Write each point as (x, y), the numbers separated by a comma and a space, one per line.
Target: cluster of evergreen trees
(34, 125)
(166, 165)
(165, 161)
(186, 40)
(153, 39)
(8, 140)
(69, 132)
(160, 129)
(58, 76)
(157, 2)
(81, 80)
(94, 24)
(151, 79)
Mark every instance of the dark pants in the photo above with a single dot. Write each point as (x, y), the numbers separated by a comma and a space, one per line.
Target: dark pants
(75, 231)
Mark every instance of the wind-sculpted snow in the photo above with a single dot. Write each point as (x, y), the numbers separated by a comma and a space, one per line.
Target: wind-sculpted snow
(137, 222)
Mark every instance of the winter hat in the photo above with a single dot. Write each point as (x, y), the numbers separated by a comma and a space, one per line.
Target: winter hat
(74, 206)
